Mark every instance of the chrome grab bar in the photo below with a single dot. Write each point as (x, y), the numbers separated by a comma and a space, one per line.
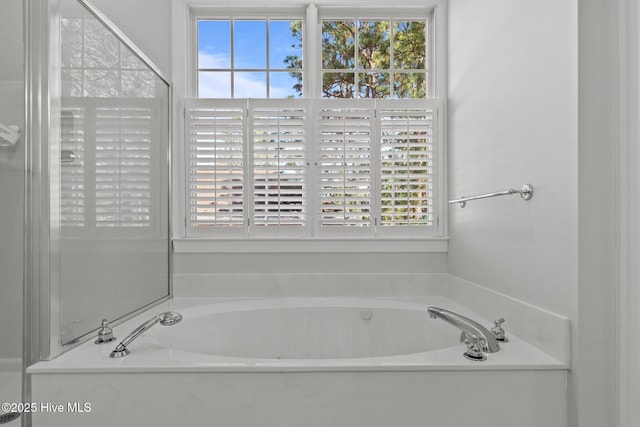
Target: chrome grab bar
(526, 192)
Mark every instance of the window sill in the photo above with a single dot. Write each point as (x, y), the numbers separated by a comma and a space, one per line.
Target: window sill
(334, 245)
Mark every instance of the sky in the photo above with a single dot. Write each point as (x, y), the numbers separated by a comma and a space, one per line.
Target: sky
(250, 52)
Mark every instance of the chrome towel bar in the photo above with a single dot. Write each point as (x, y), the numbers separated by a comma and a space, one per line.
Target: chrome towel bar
(526, 192)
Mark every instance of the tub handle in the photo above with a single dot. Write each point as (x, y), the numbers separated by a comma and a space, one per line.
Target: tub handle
(474, 351)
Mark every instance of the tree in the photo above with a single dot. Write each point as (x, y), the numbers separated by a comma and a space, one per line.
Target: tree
(368, 59)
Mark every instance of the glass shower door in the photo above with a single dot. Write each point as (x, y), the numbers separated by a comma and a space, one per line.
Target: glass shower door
(109, 177)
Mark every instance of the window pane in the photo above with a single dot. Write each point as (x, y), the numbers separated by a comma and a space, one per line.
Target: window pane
(250, 44)
(138, 84)
(374, 85)
(101, 83)
(128, 59)
(71, 37)
(214, 84)
(338, 45)
(409, 45)
(285, 44)
(338, 85)
(285, 85)
(101, 48)
(410, 85)
(250, 85)
(373, 45)
(214, 44)
(71, 83)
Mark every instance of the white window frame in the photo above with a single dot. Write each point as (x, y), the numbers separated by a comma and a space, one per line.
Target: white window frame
(185, 62)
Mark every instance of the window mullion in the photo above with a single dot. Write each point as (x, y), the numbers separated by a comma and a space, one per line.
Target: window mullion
(268, 57)
(311, 54)
(249, 184)
(232, 59)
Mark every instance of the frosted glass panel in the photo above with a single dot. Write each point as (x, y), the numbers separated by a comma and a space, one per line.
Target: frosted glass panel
(108, 179)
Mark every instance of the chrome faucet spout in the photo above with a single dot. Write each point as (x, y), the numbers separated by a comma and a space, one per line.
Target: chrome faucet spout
(469, 327)
(166, 319)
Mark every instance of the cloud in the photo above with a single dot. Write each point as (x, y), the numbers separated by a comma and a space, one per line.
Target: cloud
(211, 60)
(247, 85)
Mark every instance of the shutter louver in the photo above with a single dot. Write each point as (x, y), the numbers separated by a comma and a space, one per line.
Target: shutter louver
(406, 166)
(123, 167)
(279, 165)
(215, 145)
(344, 167)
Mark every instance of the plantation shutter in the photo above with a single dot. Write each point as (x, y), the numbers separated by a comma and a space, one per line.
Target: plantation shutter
(253, 167)
(123, 159)
(119, 166)
(344, 164)
(215, 133)
(279, 139)
(406, 164)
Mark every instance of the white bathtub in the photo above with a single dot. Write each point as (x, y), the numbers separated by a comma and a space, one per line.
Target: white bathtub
(303, 361)
(307, 329)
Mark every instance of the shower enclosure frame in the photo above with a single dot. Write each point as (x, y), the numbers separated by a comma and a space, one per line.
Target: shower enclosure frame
(41, 316)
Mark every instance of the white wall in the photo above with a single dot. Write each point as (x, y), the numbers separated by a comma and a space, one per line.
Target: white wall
(595, 345)
(11, 179)
(512, 120)
(629, 155)
(532, 99)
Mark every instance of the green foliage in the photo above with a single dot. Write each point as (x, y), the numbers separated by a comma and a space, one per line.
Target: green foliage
(294, 62)
(369, 59)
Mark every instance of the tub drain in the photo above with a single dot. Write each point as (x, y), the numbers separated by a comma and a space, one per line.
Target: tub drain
(8, 417)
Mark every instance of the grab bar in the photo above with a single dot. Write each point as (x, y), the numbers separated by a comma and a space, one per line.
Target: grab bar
(526, 192)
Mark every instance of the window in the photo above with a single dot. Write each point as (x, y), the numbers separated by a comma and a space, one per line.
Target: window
(366, 58)
(316, 125)
(109, 133)
(249, 58)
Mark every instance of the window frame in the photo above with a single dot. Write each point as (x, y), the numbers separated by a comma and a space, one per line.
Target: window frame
(233, 15)
(185, 62)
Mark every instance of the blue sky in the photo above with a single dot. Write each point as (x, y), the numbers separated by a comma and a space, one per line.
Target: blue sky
(250, 52)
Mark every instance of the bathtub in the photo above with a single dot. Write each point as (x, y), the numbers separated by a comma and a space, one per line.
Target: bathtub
(301, 361)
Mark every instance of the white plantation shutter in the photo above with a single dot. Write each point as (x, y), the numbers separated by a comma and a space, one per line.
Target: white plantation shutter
(279, 136)
(123, 167)
(108, 147)
(215, 133)
(407, 164)
(344, 163)
(367, 167)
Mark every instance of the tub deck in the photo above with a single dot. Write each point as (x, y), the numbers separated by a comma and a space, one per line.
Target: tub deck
(147, 355)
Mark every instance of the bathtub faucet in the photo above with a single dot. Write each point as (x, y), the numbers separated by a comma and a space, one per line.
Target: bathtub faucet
(479, 339)
(166, 319)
